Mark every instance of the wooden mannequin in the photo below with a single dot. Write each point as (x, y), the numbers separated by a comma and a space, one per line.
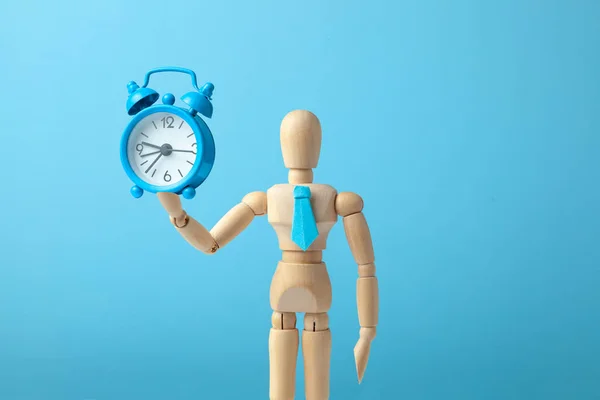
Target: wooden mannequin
(301, 282)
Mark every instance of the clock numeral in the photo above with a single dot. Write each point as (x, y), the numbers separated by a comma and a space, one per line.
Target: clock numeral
(168, 122)
(194, 145)
(167, 177)
(139, 148)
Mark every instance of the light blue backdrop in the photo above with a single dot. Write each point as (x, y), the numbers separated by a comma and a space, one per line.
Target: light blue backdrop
(470, 128)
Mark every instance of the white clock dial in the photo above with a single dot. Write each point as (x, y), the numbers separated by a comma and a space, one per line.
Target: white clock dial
(162, 149)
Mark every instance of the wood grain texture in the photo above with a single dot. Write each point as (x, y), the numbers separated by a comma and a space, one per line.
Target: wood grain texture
(367, 297)
(280, 200)
(301, 288)
(316, 351)
(359, 238)
(197, 236)
(232, 224)
(283, 355)
(300, 136)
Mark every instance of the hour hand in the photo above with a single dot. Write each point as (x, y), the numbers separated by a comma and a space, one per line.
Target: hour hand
(150, 145)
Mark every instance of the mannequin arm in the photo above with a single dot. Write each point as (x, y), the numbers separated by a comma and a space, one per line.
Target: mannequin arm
(228, 227)
(349, 206)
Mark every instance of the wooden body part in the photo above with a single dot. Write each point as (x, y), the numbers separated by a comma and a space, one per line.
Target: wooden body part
(280, 202)
(301, 288)
(350, 206)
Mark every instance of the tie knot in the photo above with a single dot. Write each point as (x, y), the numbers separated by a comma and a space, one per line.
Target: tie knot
(301, 192)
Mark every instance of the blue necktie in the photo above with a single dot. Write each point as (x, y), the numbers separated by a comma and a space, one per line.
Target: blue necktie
(304, 227)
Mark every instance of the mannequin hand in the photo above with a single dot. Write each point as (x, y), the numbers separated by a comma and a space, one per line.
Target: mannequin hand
(362, 350)
(172, 205)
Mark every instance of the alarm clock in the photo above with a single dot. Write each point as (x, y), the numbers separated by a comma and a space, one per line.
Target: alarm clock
(166, 148)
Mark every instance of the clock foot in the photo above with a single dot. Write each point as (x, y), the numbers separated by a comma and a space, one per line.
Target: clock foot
(137, 191)
(189, 193)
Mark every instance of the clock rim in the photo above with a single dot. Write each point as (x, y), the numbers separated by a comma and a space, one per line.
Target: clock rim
(198, 130)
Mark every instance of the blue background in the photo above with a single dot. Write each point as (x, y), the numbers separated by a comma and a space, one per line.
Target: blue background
(470, 128)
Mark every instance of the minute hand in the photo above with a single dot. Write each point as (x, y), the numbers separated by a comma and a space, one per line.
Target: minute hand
(154, 162)
(184, 151)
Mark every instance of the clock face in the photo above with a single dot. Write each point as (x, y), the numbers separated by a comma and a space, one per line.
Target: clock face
(162, 149)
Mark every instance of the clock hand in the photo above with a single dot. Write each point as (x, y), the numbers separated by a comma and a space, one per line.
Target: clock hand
(184, 151)
(149, 154)
(165, 150)
(154, 162)
(150, 145)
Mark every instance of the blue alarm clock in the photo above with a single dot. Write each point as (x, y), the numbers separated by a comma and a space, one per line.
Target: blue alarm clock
(166, 148)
